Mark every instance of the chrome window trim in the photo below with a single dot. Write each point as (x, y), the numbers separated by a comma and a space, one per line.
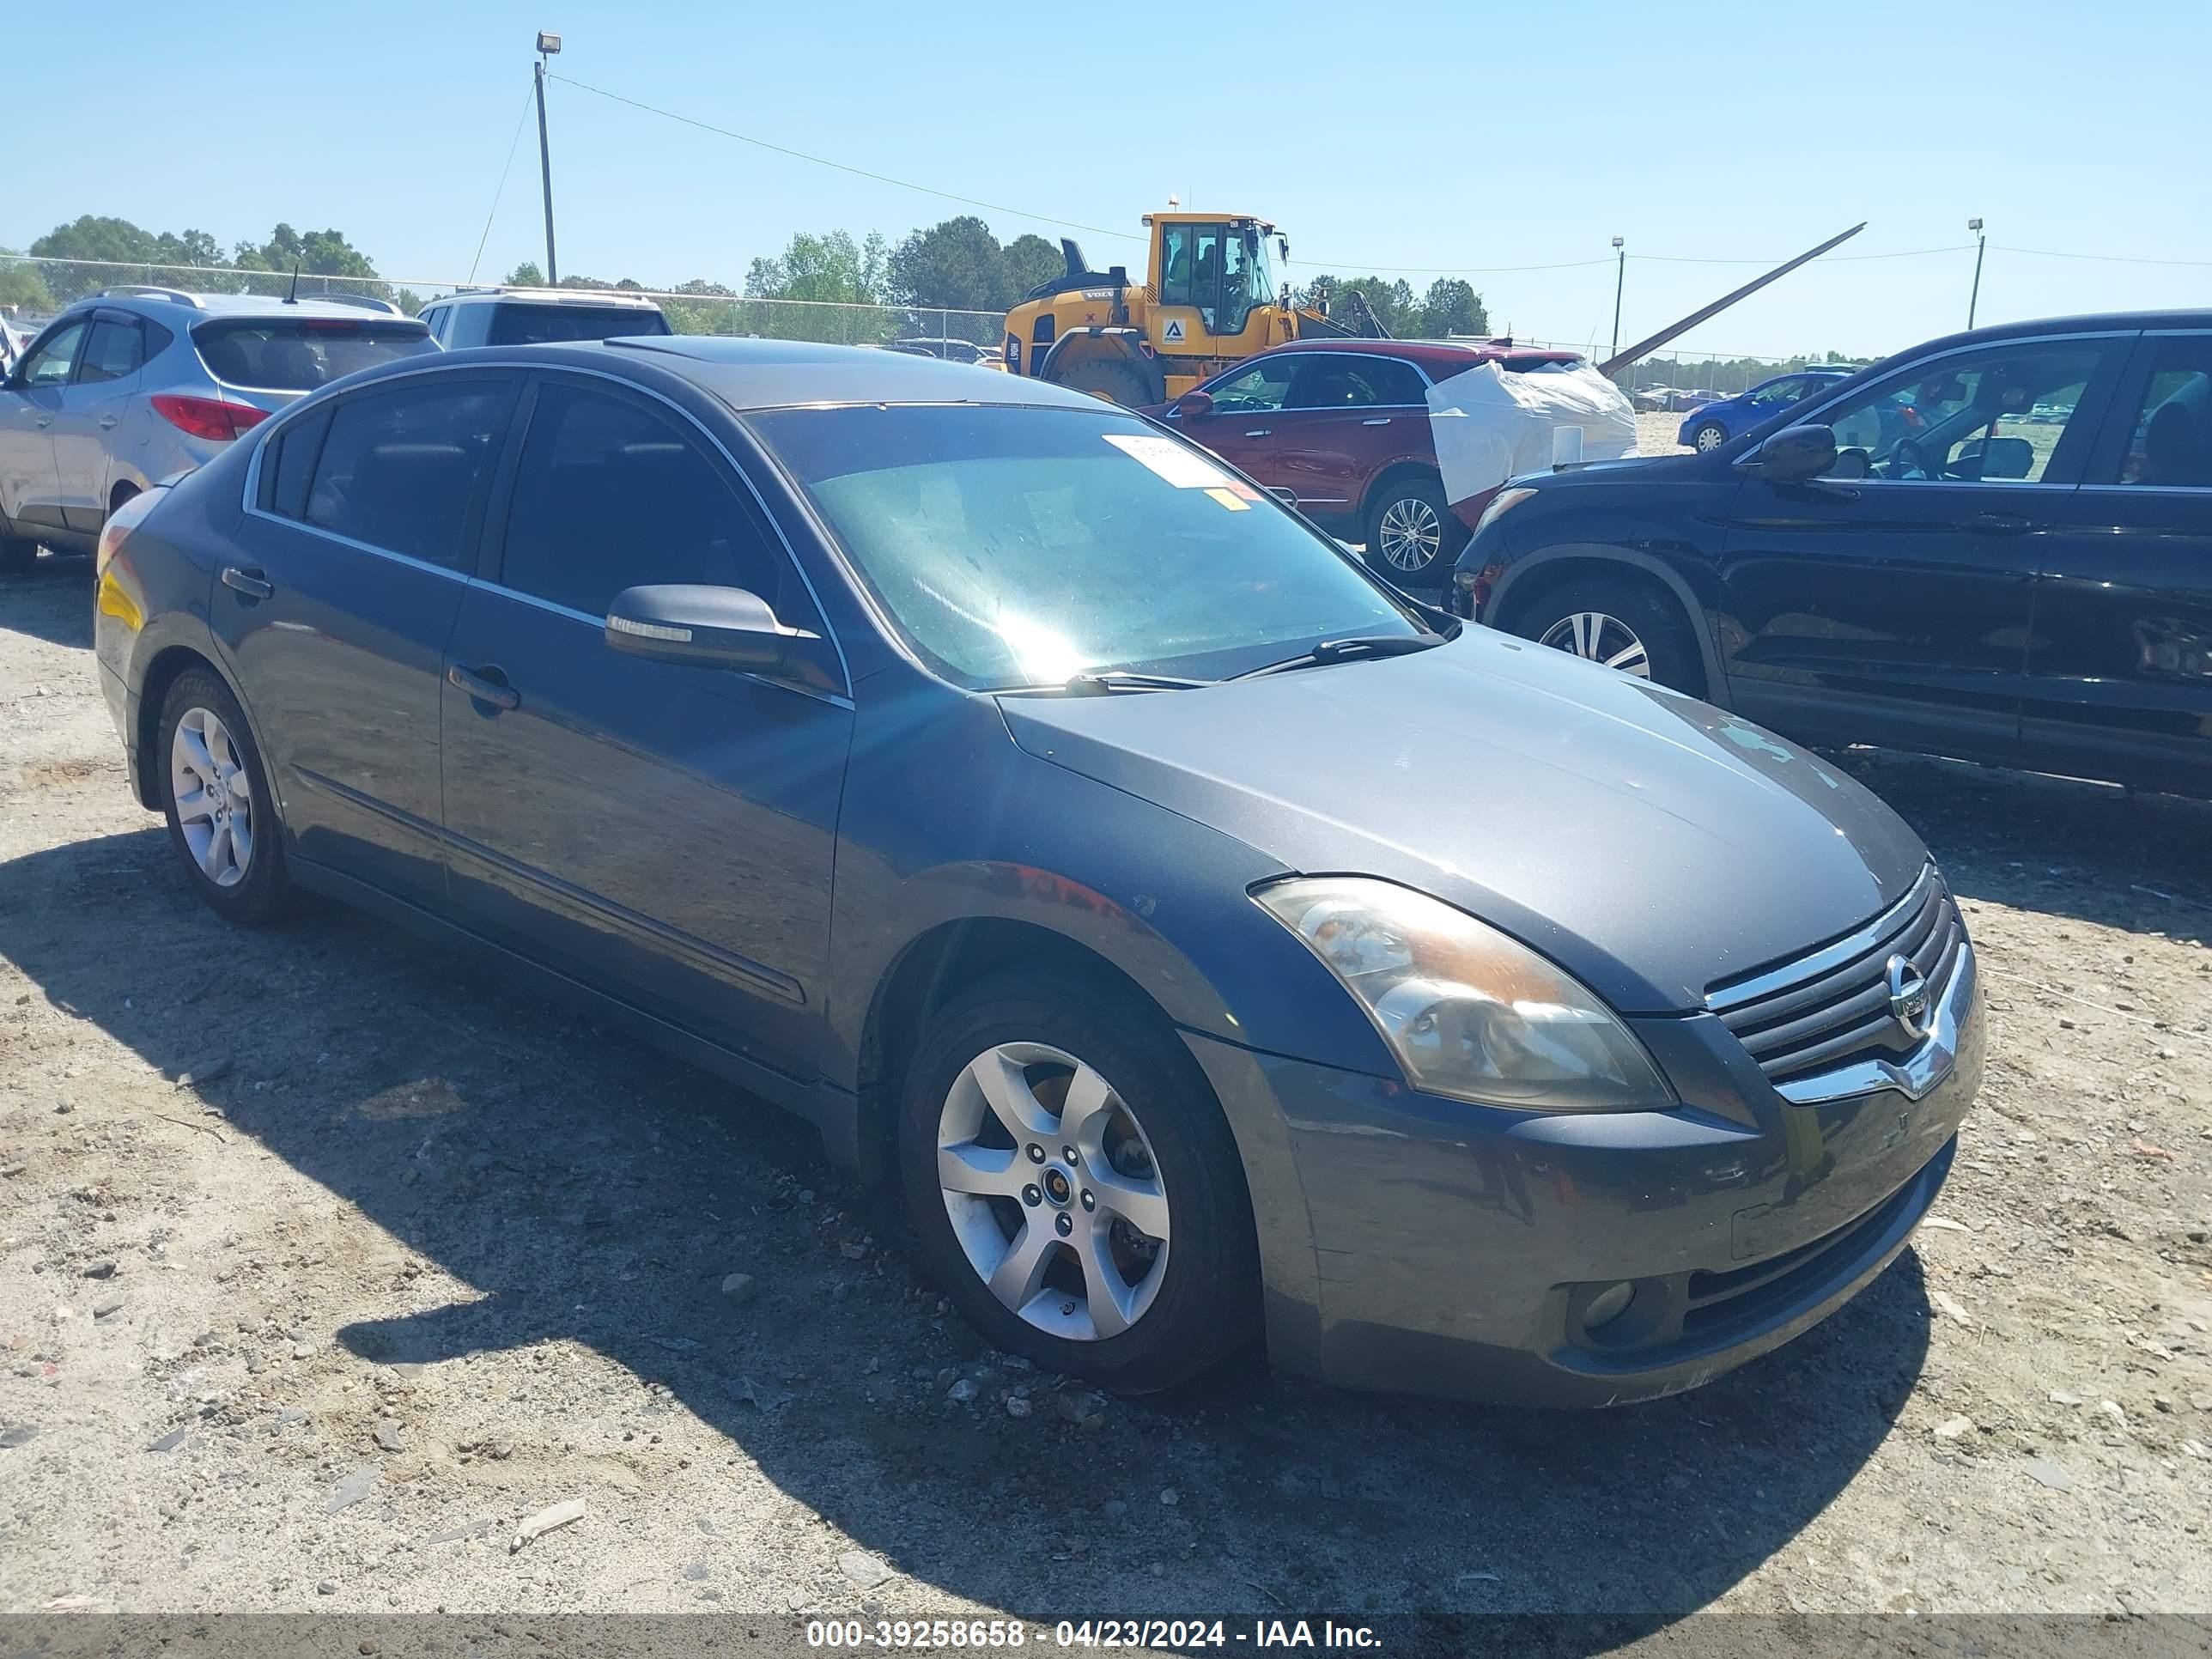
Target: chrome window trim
(253, 490)
(1828, 957)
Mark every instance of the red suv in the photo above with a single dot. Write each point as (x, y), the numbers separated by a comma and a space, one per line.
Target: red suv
(1341, 429)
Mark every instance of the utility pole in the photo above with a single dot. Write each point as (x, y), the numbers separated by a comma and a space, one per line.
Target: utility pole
(1981, 243)
(1619, 278)
(547, 45)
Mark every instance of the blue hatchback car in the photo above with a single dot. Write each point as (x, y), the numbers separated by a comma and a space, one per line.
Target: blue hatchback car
(1201, 937)
(1713, 424)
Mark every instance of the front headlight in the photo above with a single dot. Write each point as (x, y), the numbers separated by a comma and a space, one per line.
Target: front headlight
(1469, 1012)
(1501, 504)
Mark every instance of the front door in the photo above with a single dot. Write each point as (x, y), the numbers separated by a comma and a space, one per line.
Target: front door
(2119, 672)
(30, 485)
(1248, 406)
(93, 408)
(342, 585)
(1348, 416)
(1891, 601)
(662, 829)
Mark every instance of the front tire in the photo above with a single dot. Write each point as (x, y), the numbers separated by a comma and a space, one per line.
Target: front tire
(1073, 1185)
(19, 555)
(1115, 382)
(1411, 530)
(1708, 435)
(1620, 624)
(216, 796)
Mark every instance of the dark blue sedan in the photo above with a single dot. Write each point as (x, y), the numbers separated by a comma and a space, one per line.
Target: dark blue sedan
(1201, 939)
(1712, 425)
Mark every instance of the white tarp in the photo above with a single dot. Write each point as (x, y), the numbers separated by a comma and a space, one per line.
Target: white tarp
(1490, 424)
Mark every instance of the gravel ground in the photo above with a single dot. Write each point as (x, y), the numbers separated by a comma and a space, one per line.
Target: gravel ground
(328, 1262)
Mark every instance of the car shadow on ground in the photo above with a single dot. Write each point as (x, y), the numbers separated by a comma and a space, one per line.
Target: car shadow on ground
(2103, 854)
(53, 601)
(585, 1189)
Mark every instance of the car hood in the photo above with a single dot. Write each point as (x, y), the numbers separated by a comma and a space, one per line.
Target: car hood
(1651, 844)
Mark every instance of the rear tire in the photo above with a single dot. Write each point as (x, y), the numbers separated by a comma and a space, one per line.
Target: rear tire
(1411, 534)
(217, 799)
(1620, 623)
(18, 554)
(1059, 1049)
(1115, 382)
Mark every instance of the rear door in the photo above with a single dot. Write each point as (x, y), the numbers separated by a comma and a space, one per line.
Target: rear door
(664, 830)
(2119, 678)
(93, 408)
(30, 481)
(1891, 601)
(1348, 416)
(362, 530)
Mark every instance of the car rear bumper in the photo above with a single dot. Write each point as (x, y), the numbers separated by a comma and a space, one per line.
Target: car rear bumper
(1458, 1249)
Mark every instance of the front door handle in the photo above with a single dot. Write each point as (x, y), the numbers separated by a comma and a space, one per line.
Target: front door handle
(108, 423)
(251, 583)
(481, 684)
(1380, 420)
(45, 420)
(1997, 524)
(1262, 433)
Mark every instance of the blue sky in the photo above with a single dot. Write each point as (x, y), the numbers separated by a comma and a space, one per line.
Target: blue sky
(1456, 138)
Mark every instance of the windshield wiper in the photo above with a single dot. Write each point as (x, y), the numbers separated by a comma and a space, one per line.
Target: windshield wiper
(1363, 645)
(1110, 681)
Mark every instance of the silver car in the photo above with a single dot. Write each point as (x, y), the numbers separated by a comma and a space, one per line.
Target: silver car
(134, 385)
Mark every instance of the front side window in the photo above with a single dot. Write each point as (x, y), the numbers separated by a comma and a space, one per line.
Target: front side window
(1192, 257)
(609, 496)
(1258, 390)
(1020, 546)
(1779, 394)
(2170, 437)
(1247, 278)
(404, 470)
(50, 365)
(114, 351)
(1971, 417)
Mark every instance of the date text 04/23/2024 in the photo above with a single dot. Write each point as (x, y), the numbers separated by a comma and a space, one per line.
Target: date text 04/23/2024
(1169, 1635)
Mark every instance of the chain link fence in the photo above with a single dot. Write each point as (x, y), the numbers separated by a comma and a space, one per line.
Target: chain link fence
(32, 290)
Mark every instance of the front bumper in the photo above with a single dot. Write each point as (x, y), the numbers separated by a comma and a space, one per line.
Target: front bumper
(1456, 1249)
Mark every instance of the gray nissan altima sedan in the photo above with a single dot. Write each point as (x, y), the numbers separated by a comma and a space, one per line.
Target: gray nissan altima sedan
(1201, 939)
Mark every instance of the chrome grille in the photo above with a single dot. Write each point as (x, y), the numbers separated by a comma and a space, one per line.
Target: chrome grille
(1832, 1006)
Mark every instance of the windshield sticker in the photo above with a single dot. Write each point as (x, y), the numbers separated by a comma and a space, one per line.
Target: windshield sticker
(1186, 469)
(1229, 499)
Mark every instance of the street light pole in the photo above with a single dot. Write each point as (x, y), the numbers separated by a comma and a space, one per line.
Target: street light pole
(1981, 243)
(547, 45)
(1619, 278)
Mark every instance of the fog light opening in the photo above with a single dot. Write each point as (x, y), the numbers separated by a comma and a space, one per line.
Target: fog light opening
(1607, 1305)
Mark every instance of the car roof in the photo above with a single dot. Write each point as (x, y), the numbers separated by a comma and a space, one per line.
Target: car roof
(553, 297)
(751, 374)
(1450, 356)
(233, 305)
(2198, 317)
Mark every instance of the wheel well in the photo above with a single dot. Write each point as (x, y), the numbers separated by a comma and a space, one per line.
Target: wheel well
(1396, 473)
(929, 973)
(124, 490)
(1528, 595)
(1077, 351)
(160, 674)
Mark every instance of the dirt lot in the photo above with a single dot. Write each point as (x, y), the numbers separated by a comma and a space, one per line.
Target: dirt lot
(326, 1262)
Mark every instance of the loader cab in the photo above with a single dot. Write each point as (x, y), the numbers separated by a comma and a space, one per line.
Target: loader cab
(1219, 288)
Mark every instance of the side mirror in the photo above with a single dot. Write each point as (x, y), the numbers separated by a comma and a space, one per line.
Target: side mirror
(718, 626)
(1193, 403)
(1795, 454)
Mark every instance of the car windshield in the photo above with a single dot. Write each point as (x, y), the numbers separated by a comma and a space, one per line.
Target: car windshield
(1019, 546)
(520, 323)
(299, 354)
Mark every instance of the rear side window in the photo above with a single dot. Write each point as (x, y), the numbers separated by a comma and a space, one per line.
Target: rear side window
(299, 354)
(114, 351)
(1343, 382)
(519, 322)
(609, 496)
(288, 469)
(404, 470)
(2170, 437)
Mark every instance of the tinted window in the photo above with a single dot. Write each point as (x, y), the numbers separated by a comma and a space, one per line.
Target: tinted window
(513, 323)
(403, 469)
(1019, 546)
(1262, 387)
(288, 469)
(51, 363)
(609, 494)
(1991, 415)
(1778, 393)
(1330, 381)
(114, 350)
(299, 354)
(2170, 436)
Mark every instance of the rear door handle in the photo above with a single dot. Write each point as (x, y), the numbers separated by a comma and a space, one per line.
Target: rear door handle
(251, 583)
(1382, 419)
(108, 421)
(1997, 524)
(484, 688)
(1261, 432)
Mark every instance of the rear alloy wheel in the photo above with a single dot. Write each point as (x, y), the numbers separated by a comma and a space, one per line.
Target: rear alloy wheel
(1410, 529)
(1073, 1185)
(1711, 436)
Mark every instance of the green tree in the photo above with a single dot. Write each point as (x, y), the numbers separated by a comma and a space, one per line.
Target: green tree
(957, 264)
(1030, 261)
(315, 253)
(1451, 306)
(528, 274)
(21, 284)
(94, 237)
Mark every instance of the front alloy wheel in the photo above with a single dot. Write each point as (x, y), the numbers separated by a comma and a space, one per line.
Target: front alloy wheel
(1053, 1191)
(1597, 637)
(214, 797)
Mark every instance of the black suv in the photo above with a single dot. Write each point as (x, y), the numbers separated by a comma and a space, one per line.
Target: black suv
(1996, 546)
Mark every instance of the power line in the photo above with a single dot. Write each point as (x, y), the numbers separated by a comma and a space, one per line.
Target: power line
(502, 191)
(1834, 259)
(2108, 258)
